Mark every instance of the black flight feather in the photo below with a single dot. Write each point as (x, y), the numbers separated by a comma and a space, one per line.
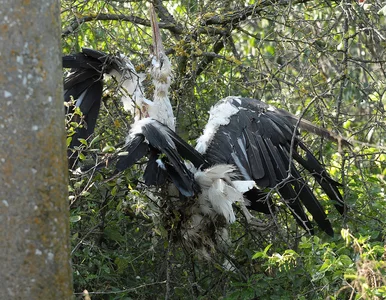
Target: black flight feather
(136, 149)
(329, 186)
(159, 139)
(257, 139)
(154, 174)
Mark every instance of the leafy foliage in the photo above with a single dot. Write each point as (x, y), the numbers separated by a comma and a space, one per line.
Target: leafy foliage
(322, 60)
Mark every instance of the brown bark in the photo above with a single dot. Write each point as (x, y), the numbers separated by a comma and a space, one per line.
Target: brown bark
(34, 231)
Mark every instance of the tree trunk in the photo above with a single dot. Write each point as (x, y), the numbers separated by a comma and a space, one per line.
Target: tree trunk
(34, 229)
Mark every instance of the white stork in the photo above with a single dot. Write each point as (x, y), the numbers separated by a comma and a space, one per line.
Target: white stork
(245, 151)
(211, 187)
(244, 139)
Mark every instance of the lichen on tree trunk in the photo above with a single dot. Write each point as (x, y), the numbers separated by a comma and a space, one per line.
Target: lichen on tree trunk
(34, 231)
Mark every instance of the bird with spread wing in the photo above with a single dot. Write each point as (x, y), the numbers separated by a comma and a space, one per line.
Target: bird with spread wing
(248, 149)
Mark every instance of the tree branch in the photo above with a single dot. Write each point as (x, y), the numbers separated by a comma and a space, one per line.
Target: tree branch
(238, 16)
(168, 18)
(217, 47)
(113, 17)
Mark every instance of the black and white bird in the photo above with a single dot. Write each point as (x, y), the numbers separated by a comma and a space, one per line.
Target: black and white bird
(208, 191)
(248, 151)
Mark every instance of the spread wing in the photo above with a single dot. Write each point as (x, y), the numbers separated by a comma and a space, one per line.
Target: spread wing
(257, 138)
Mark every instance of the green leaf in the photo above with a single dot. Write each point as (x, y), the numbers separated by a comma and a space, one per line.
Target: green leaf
(83, 141)
(81, 156)
(74, 219)
(68, 141)
(108, 148)
(95, 139)
(113, 234)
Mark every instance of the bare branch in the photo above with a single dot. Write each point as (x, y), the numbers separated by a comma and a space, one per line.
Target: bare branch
(120, 17)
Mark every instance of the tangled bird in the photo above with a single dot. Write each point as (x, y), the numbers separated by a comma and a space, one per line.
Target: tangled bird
(248, 149)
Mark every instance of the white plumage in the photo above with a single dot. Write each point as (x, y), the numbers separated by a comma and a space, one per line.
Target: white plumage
(161, 108)
(219, 115)
(220, 191)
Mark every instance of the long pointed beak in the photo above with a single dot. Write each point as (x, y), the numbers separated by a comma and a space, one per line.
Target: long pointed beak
(158, 48)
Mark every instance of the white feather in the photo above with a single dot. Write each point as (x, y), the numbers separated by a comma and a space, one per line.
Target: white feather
(80, 99)
(241, 144)
(204, 205)
(160, 164)
(161, 108)
(162, 111)
(213, 173)
(221, 201)
(219, 114)
(238, 163)
(138, 125)
(218, 194)
(243, 186)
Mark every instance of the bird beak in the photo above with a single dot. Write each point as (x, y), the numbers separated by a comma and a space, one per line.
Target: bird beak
(158, 48)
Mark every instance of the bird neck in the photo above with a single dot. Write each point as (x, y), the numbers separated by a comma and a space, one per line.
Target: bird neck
(161, 88)
(161, 109)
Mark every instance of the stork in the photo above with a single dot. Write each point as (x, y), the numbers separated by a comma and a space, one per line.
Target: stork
(262, 142)
(247, 149)
(208, 191)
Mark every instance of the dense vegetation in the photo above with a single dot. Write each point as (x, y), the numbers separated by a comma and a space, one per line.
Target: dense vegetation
(323, 60)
